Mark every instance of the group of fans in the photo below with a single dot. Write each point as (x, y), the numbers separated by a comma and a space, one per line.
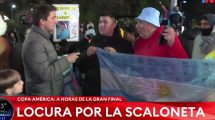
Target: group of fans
(143, 38)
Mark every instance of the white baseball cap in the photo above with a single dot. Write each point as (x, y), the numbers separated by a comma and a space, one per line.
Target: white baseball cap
(150, 15)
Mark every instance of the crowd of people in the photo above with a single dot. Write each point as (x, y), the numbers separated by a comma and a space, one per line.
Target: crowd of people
(31, 57)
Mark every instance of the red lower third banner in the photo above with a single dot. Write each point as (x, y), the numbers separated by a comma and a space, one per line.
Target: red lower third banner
(49, 108)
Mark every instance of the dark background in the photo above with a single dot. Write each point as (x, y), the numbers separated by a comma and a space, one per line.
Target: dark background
(90, 9)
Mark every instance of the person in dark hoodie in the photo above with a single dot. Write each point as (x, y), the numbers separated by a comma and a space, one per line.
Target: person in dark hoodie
(109, 39)
(188, 36)
(205, 42)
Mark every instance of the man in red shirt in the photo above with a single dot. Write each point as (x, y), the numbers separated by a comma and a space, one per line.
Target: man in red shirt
(150, 42)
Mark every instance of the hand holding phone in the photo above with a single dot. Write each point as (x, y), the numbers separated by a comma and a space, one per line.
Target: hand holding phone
(162, 39)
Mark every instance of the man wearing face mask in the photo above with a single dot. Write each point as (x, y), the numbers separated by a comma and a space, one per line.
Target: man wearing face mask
(205, 42)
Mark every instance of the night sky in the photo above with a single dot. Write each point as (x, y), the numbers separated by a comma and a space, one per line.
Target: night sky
(192, 8)
(195, 9)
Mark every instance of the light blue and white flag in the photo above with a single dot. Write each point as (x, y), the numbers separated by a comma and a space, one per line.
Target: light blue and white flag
(141, 78)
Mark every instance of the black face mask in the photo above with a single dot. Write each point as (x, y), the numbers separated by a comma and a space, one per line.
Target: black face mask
(206, 32)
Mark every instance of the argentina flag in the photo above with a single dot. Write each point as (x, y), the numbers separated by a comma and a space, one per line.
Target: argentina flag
(156, 79)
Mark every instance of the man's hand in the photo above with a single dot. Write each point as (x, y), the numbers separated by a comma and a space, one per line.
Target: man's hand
(169, 35)
(73, 57)
(110, 49)
(91, 50)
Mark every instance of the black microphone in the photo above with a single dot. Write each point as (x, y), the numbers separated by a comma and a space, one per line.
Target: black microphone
(162, 39)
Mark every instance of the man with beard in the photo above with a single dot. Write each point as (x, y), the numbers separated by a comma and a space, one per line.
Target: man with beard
(205, 42)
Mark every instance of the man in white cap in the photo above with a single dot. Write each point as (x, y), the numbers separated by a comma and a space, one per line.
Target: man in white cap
(151, 33)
